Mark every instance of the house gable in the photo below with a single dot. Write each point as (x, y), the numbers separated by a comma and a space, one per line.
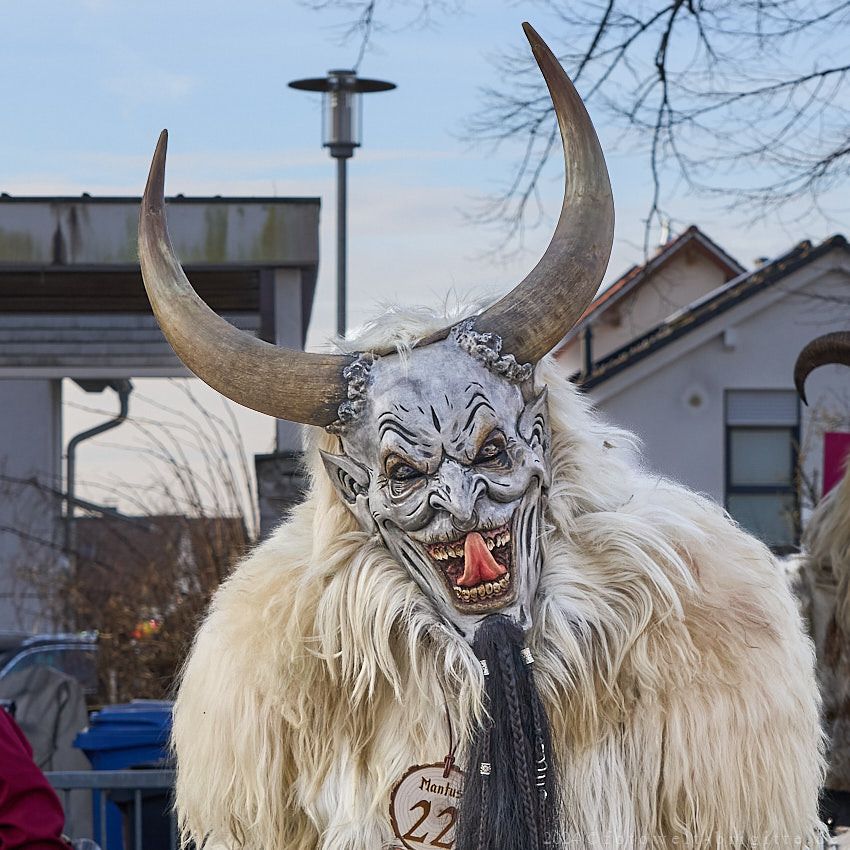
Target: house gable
(699, 319)
(685, 269)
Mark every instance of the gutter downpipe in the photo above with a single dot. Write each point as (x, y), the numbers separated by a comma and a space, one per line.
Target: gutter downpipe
(123, 387)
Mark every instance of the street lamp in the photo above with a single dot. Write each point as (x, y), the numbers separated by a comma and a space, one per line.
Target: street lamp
(341, 92)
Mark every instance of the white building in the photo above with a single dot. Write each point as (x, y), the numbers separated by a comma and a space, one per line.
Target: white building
(709, 387)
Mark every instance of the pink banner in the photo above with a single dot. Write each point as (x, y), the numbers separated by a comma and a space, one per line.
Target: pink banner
(836, 448)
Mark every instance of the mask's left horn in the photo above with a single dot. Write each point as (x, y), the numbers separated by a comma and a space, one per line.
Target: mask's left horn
(281, 382)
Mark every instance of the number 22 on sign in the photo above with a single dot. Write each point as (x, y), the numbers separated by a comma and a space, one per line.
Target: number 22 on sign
(423, 807)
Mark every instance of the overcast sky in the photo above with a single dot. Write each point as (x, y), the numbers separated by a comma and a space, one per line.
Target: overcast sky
(86, 85)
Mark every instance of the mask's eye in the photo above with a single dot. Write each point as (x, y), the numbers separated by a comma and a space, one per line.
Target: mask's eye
(404, 472)
(493, 452)
(401, 474)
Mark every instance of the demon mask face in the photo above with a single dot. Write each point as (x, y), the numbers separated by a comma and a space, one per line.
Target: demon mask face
(444, 452)
(447, 459)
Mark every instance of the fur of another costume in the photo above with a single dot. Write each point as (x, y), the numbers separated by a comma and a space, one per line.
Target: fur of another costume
(668, 651)
(822, 582)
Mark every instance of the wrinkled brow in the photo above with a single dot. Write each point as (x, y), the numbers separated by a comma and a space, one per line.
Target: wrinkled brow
(390, 423)
(396, 437)
(475, 420)
(476, 401)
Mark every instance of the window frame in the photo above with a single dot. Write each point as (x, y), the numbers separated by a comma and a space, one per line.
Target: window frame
(791, 489)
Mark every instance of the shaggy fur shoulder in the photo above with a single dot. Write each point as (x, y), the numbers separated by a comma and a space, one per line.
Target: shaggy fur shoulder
(669, 652)
(823, 586)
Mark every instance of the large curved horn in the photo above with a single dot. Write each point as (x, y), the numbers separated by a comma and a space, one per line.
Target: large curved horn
(829, 348)
(534, 316)
(281, 382)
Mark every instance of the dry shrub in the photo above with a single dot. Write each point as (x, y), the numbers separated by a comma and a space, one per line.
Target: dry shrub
(143, 581)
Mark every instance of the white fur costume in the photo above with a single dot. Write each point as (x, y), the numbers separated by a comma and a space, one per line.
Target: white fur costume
(668, 650)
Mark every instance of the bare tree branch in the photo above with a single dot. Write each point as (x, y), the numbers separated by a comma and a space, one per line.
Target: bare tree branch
(744, 102)
(141, 582)
(361, 23)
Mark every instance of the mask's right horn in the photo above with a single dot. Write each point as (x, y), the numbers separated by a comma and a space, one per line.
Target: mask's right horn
(536, 314)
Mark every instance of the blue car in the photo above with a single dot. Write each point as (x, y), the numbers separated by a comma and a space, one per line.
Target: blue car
(73, 654)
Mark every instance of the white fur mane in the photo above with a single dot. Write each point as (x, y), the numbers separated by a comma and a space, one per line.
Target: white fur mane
(668, 652)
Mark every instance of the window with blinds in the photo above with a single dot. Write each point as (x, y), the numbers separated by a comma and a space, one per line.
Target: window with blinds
(762, 435)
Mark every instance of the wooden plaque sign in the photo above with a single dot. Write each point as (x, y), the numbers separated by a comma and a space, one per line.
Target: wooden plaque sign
(423, 807)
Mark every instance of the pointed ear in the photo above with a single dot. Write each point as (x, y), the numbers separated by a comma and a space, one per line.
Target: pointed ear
(533, 422)
(349, 478)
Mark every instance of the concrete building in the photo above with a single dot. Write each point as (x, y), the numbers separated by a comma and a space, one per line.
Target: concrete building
(72, 305)
(709, 388)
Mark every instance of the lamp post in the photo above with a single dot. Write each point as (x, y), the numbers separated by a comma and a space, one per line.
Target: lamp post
(341, 126)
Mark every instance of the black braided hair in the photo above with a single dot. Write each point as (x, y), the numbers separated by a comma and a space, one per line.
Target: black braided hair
(482, 820)
(509, 800)
(544, 767)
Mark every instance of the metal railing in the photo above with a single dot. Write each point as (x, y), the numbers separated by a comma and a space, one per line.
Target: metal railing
(102, 783)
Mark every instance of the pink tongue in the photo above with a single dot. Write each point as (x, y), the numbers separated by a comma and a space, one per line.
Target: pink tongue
(478, 564)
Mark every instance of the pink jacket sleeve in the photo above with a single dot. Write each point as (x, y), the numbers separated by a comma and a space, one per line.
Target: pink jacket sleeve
(31, 816)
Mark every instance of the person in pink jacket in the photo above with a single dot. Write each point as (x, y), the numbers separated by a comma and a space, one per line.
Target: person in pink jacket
(31, 816)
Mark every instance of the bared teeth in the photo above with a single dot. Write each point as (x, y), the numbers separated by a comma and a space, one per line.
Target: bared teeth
(442, 552)
(493, 540)
(483, 590)
(490, 584)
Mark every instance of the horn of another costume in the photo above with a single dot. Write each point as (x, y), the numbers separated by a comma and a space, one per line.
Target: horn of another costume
(536, 314)
(829, 348)
(281, 382)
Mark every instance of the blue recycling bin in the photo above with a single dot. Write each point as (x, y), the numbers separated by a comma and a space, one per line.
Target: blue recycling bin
(120, 737)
